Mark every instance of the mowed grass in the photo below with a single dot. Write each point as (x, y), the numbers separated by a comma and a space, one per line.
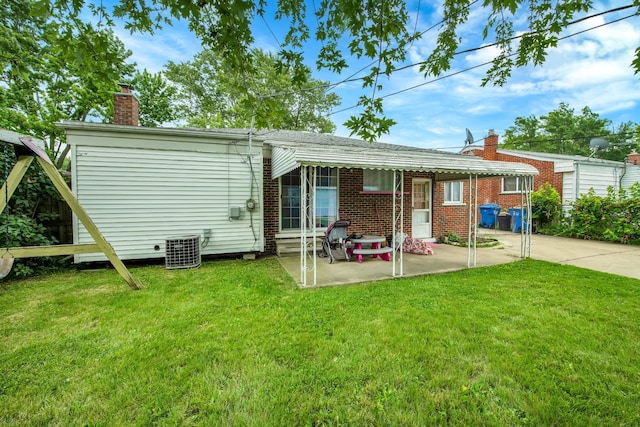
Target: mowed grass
(237, 343)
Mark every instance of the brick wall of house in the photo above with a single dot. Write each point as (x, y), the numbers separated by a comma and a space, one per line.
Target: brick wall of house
(490, 190)
(450, 218)
(370, 213)
(271, 206)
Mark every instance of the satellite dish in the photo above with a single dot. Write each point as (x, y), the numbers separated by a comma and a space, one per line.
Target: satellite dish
(599, 144)
(469, 140)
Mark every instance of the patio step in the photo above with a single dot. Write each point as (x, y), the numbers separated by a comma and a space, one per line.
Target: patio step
(290, 245)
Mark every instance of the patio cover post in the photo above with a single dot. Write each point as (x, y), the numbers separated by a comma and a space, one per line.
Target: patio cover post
(473, 218)
(308, 216)
(529, 214)
(398, 216)
(303, 226)
(475, 223)
(313, 217)
(525, 207)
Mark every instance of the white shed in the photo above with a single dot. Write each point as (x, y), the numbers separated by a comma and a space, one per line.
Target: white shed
(144, 187)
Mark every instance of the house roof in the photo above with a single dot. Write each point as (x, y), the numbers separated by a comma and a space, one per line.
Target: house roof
(291, 149)
(549, 157)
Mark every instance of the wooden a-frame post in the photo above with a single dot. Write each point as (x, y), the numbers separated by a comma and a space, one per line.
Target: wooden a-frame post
(27, 152)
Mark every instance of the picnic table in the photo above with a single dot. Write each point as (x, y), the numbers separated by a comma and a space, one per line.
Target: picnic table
(376, 250)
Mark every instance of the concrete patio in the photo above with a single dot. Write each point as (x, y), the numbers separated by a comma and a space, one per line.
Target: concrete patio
(446, 258)
(601, 256)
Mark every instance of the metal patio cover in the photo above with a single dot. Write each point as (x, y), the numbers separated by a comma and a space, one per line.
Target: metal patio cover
(446, 167)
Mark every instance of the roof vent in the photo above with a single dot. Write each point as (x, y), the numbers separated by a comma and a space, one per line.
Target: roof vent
(183, 252)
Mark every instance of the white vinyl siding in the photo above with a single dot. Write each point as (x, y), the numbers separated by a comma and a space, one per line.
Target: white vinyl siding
(597, 177)
(568, 188)
(631, 176)
(139, 197)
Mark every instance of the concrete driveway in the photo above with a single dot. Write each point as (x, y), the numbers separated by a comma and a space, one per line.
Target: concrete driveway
(623, 260)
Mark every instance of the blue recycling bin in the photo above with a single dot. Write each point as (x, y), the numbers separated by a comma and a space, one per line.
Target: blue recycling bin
(518, 219)
(489, 215)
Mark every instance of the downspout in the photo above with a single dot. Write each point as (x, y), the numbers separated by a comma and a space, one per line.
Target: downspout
(624, 172)
(250, 204)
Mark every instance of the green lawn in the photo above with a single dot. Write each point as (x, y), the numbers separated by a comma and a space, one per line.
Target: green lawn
(236, 343)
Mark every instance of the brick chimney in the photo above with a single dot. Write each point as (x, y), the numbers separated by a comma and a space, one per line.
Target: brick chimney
(633, 158)
(125, 106)
(490, 146)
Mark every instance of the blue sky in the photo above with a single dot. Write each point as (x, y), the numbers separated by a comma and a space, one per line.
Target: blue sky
(591, 69)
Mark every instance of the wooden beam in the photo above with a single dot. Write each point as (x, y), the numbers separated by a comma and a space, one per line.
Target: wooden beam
(88, 223)
(14, 178)
(53, 250)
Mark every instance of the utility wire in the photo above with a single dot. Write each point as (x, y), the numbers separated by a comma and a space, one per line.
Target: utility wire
(476, 66)
(352, 77)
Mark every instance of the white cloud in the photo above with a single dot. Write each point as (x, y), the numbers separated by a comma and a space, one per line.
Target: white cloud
(154, 51)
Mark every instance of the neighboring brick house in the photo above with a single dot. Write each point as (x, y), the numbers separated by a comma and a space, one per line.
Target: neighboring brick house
(571, 176)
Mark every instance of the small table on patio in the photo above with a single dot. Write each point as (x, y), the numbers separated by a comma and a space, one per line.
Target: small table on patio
(376, 250)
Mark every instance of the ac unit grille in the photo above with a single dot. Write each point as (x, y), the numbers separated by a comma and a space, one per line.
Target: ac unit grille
(183, 252)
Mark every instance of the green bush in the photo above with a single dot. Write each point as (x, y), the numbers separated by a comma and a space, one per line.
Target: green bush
(25, 222)
(546, 208)
(26, 231)
(614, 217)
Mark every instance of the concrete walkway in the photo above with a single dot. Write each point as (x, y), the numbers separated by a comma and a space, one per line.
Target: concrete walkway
(612, 258)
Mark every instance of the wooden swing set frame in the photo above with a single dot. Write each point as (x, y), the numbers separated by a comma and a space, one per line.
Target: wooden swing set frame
(26, 151)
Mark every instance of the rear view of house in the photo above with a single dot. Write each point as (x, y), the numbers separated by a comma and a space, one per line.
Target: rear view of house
(236, 191)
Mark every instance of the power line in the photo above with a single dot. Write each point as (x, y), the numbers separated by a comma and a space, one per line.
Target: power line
(480, 65)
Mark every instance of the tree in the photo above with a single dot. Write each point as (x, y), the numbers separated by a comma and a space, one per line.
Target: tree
(156, 98)
(563, 132)
(53, 70)
(211, 95)
(53, 67)
(522, 31)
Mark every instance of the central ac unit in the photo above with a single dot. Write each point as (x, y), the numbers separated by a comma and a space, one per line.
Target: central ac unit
(183, 252)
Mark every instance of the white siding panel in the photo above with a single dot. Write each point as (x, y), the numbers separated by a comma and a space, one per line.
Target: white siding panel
(568, 188)
(563, 166)
(597, 177)
(140, 197)
(631, 176)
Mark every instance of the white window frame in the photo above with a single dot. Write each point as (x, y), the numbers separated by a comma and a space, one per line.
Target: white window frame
(519, 184)
(448, 193)
(334, 173)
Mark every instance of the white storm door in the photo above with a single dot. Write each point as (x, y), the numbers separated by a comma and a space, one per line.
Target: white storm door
(421, 208)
